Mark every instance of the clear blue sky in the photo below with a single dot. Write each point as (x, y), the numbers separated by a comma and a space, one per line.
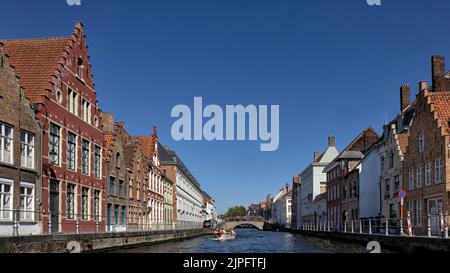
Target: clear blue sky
(334, 67)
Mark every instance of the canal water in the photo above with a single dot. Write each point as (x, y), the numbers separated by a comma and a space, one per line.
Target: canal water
(251, 241)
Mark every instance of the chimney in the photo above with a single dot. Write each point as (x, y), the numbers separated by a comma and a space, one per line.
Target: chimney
(423, 85)
(405, 96)
(441, 83)
(316, 156)
(331, 141)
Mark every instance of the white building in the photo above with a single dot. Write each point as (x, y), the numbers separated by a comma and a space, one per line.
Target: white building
(209, 208)
(369, 184)
(282, 207)
(188, 198)
(313, 183)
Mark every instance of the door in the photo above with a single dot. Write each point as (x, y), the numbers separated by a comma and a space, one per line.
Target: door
(434, 210)
(108, 218)
(54, 205)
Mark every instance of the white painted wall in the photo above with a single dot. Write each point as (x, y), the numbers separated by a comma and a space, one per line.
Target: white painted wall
(369, 189)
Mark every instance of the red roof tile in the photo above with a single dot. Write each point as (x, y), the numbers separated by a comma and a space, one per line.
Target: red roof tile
(441, 102)
(146, 144)
(35, 62)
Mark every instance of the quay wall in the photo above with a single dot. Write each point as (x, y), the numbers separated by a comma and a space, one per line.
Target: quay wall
(396, 243)
(75, 243)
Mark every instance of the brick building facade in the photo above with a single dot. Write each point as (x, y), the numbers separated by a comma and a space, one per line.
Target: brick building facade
(116, 140)
(56, 75)
(427, 161)
(20, 157)
(138, 183)
(337, 172)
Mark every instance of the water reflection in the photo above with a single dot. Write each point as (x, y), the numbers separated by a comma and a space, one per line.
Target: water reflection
(252, 241)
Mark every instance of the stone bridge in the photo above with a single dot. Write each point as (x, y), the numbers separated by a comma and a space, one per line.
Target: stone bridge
(234, 222)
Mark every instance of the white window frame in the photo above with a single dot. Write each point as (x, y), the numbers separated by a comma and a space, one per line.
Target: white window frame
(58, 144)
(418, 211)
(438, 171)
(411, 179)
(24, 147)
(10, 183)
(72, 101)
(88, 173)
(75, 151)
(85, 210)
(71, 215)
(24, 211)
(419, 174)
(428, 167)
(99, 171)
(421, 142)
(3, 140)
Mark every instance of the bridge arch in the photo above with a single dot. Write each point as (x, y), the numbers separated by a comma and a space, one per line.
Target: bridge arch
(234, 222)
(233, 225)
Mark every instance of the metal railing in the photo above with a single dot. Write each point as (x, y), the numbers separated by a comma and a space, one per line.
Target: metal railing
(75, 223)
(436, 225)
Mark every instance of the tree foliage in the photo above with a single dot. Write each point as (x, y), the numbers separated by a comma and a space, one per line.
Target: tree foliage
(236, 211)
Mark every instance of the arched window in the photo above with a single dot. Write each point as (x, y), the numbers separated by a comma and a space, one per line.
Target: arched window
(80, 68)
(118, 160)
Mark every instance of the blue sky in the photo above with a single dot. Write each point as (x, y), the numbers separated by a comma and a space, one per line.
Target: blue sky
(334, 67)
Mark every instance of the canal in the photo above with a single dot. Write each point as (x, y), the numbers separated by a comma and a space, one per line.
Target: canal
(251, 241)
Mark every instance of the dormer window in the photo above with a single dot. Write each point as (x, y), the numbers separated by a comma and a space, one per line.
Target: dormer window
(80, 69)
(421, 142)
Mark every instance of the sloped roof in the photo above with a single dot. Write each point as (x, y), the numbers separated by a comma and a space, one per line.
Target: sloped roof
(35, 62)
(441, 102)
(146, 144)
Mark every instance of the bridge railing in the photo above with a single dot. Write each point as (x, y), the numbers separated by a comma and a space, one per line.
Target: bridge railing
(244, 219)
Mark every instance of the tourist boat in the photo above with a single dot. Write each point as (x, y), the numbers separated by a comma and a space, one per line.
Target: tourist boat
(225, 234)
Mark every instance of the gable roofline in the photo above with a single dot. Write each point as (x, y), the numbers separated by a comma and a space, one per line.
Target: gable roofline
(26, 55)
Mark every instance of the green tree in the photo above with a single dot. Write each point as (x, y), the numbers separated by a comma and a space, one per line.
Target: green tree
(236, 211)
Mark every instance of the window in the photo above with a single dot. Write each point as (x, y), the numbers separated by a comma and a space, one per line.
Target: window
(397, 183)
(411, 179)
(438, 171)
(6, 197)
(418, 211)
(120, 188)
(421, 142)
(387, 190)
(116, 214)
(72, 101)
(80, 69)
(55, 137)
(96, 205)
(118, 160)
(428, 174)
(411, 211)
(70, 202)
(419, 171)
(111, 185)
(71, 151)
(391, 160)
(6, 143)
(124, 210)
(27, 202)
(97, 161)
(85, 157)
(27, 150)
(58, 96)
(84, 203)
(96, 121)
(86, 111)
